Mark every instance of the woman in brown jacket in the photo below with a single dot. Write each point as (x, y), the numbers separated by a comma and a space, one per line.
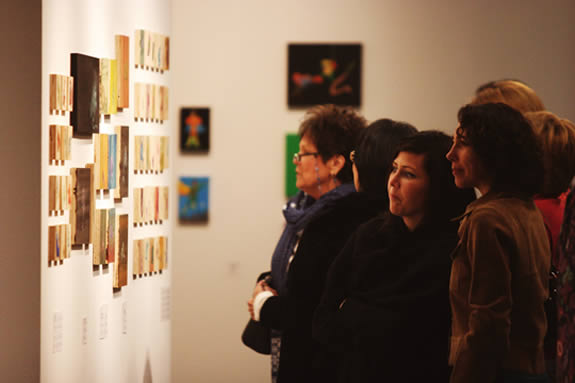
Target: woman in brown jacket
(499, 277)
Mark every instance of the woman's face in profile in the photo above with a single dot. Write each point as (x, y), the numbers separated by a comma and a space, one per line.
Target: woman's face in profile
(310, 170)
(408, 186)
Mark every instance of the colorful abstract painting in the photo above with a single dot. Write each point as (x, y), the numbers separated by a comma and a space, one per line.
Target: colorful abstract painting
(193, 201)
(194, 130)
(324, 74)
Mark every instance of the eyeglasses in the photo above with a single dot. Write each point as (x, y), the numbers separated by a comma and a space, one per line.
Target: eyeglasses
(352, 156)
(297, 156)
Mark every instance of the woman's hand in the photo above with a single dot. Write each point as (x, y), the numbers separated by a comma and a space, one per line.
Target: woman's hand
(251, 308)
(261, 286)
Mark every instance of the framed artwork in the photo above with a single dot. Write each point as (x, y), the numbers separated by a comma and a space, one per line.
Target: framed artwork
(121, 261)
(58, 243)
(137, 263)
(151, 50)
(81, 206)
(85, 115)
(194, 130)
(151, 102)
(61, 93)
(112, 160)
(123, 75)
(108, 86)
(292, 146)
(59, 194)
(60, 143)
(324, 74)
(193, 201)
(122, 161)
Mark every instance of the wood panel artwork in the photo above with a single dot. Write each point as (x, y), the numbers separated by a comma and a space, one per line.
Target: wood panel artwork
(121, 261)
(150, 102)
(151, 153)
(112, 160)
(59, 246)
(85, 116)
(122, 162)
(60, 144)
(123, 76)
(61, 93)
(59, 194)
(81, 205)
(105, 161)
(108, 86)
(150, 204)
(152, 50)
(111, 236)
(150, 255)
(103, 236)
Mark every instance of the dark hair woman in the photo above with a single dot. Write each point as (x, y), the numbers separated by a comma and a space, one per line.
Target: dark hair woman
(499, 278)
(373, 156)
(385, 308)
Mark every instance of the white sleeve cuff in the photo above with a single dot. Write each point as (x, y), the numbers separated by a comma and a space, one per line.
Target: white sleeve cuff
(259, 301)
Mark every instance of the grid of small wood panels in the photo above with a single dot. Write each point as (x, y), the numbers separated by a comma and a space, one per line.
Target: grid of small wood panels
(82, 102)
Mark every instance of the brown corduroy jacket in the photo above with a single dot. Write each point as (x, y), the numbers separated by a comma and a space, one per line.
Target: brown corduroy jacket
(499, 282)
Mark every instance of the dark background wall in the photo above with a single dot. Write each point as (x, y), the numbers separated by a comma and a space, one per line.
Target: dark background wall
(20, 137)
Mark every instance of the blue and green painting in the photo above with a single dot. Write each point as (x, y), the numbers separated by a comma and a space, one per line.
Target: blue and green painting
(193, 199)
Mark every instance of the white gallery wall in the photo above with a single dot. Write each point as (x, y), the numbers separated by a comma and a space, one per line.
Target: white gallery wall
(89, 332)
(422, 60)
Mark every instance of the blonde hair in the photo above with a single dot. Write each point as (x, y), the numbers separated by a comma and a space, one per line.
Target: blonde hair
(557, 138)
(511, 92)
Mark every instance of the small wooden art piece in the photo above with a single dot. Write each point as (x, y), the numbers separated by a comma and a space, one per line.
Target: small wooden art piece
(151, 153)
(122, 162)
(150, 256)
(150, 204)
(103, 236)
(152, 51)
(108, 86)
(59, 244)
(121, 261)
(82, 206)
(123, 62)
(59, 193)
(105, 161)
(85, 116)
(60, 144)
(194, 130)
(193, 195)
(151, 102)
(61, 93)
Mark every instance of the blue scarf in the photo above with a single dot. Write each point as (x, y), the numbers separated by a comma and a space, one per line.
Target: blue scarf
(298, 212)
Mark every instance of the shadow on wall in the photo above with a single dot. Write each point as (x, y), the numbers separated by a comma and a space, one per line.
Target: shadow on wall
(147, 369)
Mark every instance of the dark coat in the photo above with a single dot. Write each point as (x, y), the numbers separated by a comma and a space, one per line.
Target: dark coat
(385, 308)
(301, 358)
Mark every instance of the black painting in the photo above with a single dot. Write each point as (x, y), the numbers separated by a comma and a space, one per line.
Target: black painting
(324, 74)
(85, 116)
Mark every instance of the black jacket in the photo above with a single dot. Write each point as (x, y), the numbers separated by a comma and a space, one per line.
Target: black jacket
(385, 308)
(301, 358)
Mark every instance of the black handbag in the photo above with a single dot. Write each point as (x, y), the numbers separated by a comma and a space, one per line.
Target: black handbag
(257, 337)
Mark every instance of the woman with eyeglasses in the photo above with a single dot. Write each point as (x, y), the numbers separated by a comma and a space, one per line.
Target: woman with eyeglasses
(318, 222)
(385, 307)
